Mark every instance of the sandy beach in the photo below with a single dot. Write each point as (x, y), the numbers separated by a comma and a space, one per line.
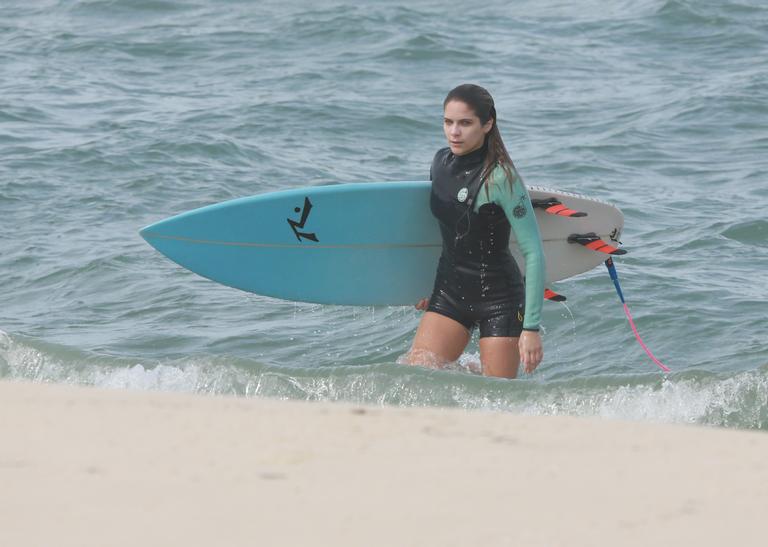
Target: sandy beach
(83, 466)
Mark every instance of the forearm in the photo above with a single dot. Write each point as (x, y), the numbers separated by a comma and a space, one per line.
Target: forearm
(534, 284)
(523, 221)
(517, 206)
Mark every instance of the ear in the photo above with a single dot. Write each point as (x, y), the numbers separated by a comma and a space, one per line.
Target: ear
(488, 126)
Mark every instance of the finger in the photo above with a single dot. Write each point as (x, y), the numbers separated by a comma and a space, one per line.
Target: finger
(527, 363)
(524, 359)
(533, 357)
(532, 360)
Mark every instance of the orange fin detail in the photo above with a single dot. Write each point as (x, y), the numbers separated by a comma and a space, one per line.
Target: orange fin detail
(554, 206)
(592, 241)
(549, 294)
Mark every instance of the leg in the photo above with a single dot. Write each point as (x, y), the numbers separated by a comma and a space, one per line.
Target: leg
(439, 340)
(500, 356)
(499, 340)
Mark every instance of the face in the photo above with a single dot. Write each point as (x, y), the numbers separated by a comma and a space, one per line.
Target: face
(463, 129)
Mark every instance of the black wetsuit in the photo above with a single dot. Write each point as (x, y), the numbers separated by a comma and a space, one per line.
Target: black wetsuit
(478, 281)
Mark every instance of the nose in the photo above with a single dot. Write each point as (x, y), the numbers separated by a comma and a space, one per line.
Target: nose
(455, 131)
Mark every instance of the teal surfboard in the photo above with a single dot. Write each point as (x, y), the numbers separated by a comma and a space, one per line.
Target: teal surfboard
(357, 243)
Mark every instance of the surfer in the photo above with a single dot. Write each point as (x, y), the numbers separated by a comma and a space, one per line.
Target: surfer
(478, 197)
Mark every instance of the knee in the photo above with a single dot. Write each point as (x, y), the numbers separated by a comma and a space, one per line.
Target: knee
(506, 370)
(422, 358)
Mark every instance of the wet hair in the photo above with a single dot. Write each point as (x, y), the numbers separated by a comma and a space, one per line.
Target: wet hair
(479, 100)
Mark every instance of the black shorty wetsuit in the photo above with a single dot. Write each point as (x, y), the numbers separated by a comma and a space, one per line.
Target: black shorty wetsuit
(478, 280)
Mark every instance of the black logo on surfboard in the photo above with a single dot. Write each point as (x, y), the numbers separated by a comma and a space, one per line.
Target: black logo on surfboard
(300, 224)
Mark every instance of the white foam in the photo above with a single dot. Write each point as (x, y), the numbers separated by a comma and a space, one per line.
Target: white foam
(467, 362)
(740, 400)
(158, 378)
(200, 375)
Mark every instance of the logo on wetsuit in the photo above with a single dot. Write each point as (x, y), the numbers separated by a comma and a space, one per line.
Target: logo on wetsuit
(520, 211)
(300, 224)
(462, 195)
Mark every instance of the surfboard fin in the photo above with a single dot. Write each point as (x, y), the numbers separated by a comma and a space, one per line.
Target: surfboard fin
(549, 294)
(592, 241)
(553, 206)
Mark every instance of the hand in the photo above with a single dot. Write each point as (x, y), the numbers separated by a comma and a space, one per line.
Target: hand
(531, 351)
(422, 304)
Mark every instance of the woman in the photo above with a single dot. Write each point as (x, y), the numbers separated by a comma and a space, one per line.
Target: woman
(477, 196)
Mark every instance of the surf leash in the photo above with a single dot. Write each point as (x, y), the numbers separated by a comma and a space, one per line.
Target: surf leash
(615, 278)
(593, 242)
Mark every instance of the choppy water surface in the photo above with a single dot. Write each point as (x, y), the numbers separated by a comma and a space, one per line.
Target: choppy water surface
(116, 113)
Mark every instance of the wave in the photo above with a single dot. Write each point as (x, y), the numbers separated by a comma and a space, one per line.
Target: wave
(750, 232)
(737, 400)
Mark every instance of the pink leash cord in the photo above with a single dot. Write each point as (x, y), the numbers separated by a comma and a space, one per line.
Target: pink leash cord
(661, 365)
(615, 278)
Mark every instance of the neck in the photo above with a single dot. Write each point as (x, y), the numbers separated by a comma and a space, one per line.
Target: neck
(475, 156)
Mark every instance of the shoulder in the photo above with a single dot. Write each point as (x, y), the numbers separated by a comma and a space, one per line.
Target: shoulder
(500, 180)
(441, 154)
(439, 162)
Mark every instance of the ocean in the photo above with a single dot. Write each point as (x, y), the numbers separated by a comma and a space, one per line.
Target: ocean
(117, 113)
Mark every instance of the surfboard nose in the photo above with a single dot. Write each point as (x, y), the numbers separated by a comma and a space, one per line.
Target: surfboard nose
(146, 232)
(187, 224)
(163, 230)
(154, 230)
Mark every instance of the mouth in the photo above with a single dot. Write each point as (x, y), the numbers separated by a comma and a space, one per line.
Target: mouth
(455, 143)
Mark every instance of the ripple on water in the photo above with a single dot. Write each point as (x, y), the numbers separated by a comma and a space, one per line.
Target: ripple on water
(751, 232)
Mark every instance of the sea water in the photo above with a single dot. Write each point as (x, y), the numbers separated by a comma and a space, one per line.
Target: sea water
(118, 113)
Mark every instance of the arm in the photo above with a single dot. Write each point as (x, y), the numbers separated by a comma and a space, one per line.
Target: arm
(516, 203)
(517, 206)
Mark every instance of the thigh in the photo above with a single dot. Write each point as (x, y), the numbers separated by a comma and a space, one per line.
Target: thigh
(439, 340)
(500, 356)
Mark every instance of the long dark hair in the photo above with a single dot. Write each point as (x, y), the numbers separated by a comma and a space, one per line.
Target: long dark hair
(479, 100)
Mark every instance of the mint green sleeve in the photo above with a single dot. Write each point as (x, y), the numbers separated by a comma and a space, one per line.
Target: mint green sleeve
(516, 203)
